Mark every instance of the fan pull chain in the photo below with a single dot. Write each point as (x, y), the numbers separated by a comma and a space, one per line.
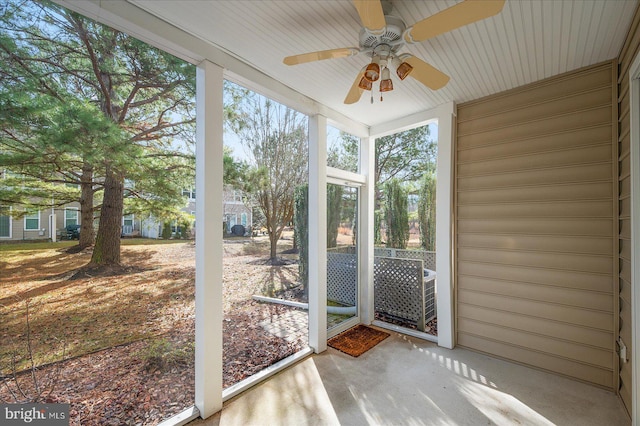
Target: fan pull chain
(372, 96)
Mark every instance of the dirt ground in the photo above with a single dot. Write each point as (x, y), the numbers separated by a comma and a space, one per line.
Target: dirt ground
(128, 340)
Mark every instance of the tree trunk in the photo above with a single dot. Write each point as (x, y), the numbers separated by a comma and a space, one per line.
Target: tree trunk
(273, 239)
(107, 248)
(87, 234)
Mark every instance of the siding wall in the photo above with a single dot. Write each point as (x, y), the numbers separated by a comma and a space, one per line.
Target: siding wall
(536, 235)
(629, 51)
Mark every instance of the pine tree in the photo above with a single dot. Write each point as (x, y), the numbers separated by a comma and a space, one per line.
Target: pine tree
(126, 103)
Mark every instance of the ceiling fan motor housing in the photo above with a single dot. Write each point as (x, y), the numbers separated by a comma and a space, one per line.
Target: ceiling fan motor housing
(391, 36)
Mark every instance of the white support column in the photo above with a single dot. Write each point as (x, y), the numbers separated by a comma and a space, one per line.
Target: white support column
(366, 231)
(209, 144)
(318, 233)
(444, 226)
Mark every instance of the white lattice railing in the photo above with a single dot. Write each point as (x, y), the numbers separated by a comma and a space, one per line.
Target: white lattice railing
(401, 289)
(342, 276)
(428, 257)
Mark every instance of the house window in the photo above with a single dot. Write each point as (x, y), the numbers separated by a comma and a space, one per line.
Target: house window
(243, 219)
(32, 221)
(190, 193)
(127, 220)
(231, 221)
(237, 196)
(127, 224)
(70, 216)
(5, 225)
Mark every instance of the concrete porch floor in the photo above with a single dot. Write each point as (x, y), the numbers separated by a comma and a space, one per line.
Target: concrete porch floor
(407, 381)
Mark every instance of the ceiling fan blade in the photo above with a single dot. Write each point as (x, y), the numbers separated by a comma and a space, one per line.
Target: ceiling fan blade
(355, 92)
(454, 17)
(371, 14)
(320, 55)
(426, 74)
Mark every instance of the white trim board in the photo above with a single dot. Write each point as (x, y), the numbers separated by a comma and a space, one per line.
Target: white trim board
(634, 88)
(209, 208)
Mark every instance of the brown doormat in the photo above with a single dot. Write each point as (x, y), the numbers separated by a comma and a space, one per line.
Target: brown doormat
(357, 340)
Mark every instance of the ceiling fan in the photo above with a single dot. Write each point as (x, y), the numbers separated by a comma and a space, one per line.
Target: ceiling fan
(383, 36)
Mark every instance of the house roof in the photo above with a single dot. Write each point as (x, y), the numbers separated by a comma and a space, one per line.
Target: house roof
(528, 41)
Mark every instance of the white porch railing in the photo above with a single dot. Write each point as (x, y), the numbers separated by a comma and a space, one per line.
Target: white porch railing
(404, 282)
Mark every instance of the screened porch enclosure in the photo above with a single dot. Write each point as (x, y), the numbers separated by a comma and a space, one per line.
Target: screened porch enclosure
(553, 288)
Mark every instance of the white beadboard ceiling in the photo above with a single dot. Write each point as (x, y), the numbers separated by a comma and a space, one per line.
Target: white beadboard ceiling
(528, 41)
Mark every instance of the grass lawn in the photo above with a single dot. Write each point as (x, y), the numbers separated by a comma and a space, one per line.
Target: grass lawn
(92, 313)
(8, 247)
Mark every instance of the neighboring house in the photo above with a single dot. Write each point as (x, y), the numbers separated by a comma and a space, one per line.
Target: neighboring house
(37, 225)
(236, 212)
(44, 223)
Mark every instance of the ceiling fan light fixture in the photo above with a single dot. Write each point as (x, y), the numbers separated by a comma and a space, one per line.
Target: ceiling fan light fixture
(372, 73)
(403, 70)
(365, 84)
(386, 85)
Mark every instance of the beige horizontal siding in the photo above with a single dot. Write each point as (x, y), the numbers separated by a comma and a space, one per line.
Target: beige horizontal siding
(624, 146)
(563, 244)
(539, 359)
(536, 215)
(625, 270)
(629, 51)
(599, 320)
(543, 126)
(552, 277)
(569, 227)
(559, 209)
(536, 161)
(625, 250)
(559, 192)
(625, 290)
(546, 176)
(551, 294)
(543, 110)
(586, 354)
(625, 207)
(569, 262)
(550, 143)
(625, 228)
(538, 326)
(541, 93)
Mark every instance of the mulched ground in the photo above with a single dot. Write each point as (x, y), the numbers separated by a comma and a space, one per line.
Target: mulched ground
(149, 380)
